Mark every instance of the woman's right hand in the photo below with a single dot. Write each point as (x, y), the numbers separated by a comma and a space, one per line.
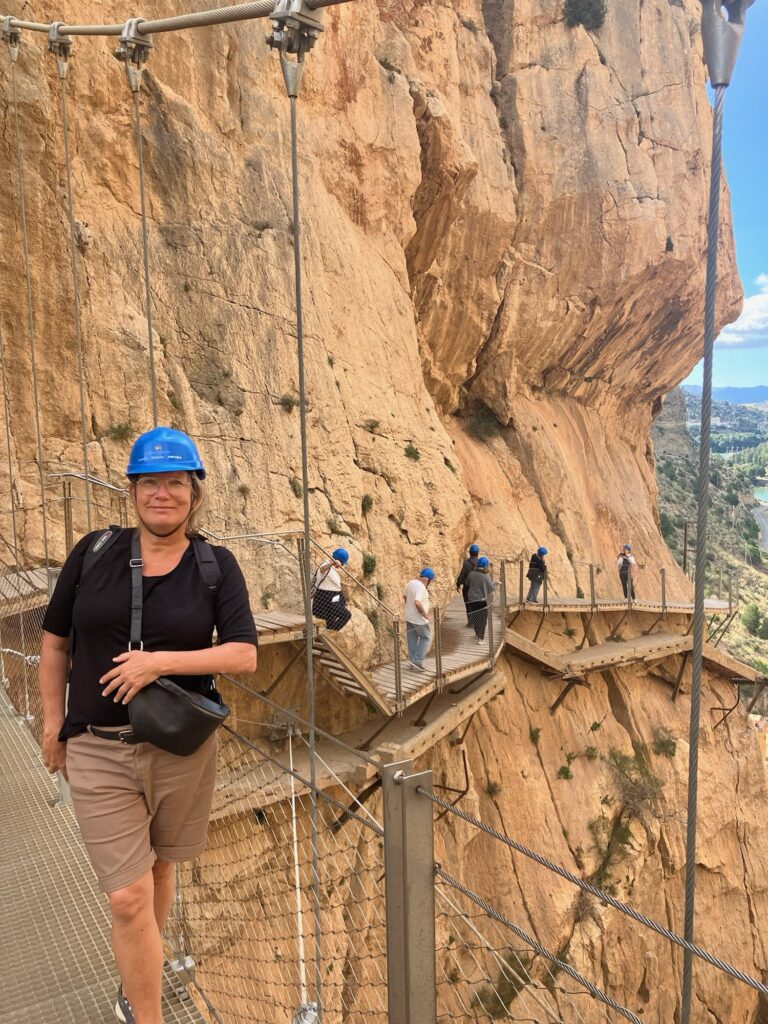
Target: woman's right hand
(55, 754)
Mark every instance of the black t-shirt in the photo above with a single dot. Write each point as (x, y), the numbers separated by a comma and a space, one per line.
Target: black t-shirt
(180, 613)
(537, 564)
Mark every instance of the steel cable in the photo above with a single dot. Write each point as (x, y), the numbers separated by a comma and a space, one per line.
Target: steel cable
(30, 315)
(302, 721)
(306, 553)
(196, 19)
(76, 298)
(145, 253)
(599, 894)
(702, 499)
(542, 951)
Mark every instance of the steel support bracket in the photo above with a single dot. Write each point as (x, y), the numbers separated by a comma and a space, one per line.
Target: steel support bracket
(721, 33)
(11, 36)
(61, 48)
(295, 27)
(133, 51)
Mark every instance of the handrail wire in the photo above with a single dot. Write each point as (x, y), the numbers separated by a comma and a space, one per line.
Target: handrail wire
(30, 312)
(14, 526)
(198, 19)
(302, 721)
(75, 296)
(373, 826)
(599, 894)
(542, 951)
(145, 250)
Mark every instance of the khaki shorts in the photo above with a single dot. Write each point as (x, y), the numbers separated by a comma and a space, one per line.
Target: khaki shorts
(137, 804)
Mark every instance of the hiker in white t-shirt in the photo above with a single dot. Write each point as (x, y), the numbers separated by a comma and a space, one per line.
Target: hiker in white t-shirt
(417, 618)
(627, 567)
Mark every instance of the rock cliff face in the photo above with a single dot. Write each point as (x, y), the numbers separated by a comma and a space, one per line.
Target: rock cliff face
(503, 225)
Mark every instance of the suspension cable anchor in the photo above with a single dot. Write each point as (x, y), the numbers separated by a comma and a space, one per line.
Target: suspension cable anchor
(722, 36)
(295, 30)
(133, 51)
(10, 35)
(61, 48)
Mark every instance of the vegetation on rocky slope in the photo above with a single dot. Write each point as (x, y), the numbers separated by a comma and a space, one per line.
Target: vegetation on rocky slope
(734, 535)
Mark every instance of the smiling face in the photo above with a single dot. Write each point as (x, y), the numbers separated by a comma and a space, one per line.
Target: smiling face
(163, 501)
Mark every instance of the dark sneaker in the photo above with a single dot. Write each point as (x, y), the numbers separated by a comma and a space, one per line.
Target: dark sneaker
(123, 1010)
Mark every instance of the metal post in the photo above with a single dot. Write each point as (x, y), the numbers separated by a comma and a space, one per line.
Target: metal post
(663, 591)
(521, 598)
(123, 510)
(546, 577)
(398, 666)
(685, 547)
(438, 648)
(489, 629)
(592, 597)
(720, 585)
(69, 537)
(503, 589)
(410, 899)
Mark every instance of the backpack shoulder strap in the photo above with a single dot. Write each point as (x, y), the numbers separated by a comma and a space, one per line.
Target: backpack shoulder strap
(103, 543)
(207, 563)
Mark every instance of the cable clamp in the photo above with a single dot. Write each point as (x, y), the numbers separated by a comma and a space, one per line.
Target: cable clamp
(133, 51)
(61, 48)
(721, 33)
(295, 27)
(11, 36)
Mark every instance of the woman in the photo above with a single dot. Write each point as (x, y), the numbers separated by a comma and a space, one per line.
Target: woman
(627, 566)
(327, 599)
(480, 588)
(140, 809)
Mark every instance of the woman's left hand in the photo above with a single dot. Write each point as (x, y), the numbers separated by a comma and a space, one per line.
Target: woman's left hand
(134, 670)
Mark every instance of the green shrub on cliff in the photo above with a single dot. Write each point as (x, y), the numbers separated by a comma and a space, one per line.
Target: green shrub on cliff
(589, 13)
(750, 618)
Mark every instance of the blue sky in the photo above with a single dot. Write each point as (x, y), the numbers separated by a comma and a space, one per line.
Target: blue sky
(741, 353)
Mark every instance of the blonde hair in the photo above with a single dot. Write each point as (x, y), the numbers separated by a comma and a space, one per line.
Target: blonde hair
(196, 510)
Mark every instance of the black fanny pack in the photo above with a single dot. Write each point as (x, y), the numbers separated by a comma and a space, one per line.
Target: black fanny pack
(163, 713)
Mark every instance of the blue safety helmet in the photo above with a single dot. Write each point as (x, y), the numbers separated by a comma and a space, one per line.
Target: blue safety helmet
(474, 549)
(627, 547)
(427, 573)
(163, 450)
(542, 551)
(341, 555)
(483, 563)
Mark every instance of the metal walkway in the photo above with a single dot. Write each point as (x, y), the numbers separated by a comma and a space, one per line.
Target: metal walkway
(55, 961)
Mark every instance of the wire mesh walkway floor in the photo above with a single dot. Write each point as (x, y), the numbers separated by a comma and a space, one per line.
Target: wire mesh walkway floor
(55, 961)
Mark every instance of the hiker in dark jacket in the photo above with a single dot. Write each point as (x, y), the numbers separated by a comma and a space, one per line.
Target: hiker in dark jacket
(480, 588)
(627, 566)
(470, 563)
(537, 570)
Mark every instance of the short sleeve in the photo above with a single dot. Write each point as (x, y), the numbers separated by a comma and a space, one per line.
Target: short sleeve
(234, 619)
(58, 616)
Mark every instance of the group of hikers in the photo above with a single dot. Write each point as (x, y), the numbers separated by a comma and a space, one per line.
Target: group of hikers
(474, 581)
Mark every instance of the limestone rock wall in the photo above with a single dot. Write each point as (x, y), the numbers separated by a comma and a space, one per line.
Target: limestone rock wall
(499, 214)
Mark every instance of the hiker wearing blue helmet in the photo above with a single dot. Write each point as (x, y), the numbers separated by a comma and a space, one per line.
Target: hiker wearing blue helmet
(537, 571)
(327, 597)
(141, 809)
(470, 563)
(480, 588)
(627, 566)
(418, 618)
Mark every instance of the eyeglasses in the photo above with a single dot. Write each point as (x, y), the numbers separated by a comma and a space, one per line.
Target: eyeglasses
(176, 487)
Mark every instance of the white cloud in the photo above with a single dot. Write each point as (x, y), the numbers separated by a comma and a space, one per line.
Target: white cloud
(751, 329)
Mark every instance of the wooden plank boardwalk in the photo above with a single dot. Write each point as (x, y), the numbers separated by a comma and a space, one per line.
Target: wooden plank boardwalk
(461, 656)
(582, 604)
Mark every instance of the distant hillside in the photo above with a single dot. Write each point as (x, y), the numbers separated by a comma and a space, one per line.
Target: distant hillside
(738, 396)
